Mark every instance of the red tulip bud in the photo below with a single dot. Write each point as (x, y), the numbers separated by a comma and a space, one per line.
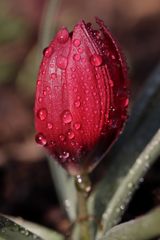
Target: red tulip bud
(81, 96)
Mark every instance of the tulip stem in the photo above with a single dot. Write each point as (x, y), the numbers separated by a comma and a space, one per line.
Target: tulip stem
(83, 187)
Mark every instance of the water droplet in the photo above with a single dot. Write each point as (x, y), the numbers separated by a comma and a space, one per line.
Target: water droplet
(96, 59)
(61, 62)
(51, 65)
(70, 134)
(76, 57)
(77, 125)
(39, 82)
(61, 137)
(126, 102)
(47, 52)
(111, 83)
(67, 117)
(113, 57)
(122, 207)
(64, 155)
(42, 114)
(130, 185)
(80, 50)
(40, 139)
(44, 93)
(77, 104)
(63, 35)
(43, 72)
(39, 99)
(49, 125)
(53, 76)
(48, 88)
(76, 42)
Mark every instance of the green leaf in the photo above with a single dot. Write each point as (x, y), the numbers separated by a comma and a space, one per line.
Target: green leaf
(143, 124)
(142, 228)
(45, 233)
(19, 229)
(10, 230)
(128, 185)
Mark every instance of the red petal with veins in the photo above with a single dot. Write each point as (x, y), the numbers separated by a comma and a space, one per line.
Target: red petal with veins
(81, 96)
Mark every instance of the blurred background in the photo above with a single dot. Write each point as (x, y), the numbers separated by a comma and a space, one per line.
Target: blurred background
(26, 187)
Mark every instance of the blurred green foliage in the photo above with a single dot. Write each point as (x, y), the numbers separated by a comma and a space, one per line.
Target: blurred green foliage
(13, 32)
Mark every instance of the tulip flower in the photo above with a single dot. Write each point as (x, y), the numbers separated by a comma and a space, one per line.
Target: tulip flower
(81, 96)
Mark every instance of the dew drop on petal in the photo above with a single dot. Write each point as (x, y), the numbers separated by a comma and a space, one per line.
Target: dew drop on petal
(77, 104)
(39, 82)
(42, 114)
(64, 155)
(70, 134)
(62, 35)
(49, 125)
(76, 57)
(113, 57)
(111, 83)
(77, 125)
(61, 137)
(44, 93)
(48, 88)
(39, 99)
(61, 62)
(96, 59)
(80, 50)
(76, 42)
(66, 116)
(53, 76)
(40, 139)
(84, 60)
(47, 52)
(126, 102)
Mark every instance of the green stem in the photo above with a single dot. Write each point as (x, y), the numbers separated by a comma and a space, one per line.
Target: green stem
(128, 185)
(83, 188)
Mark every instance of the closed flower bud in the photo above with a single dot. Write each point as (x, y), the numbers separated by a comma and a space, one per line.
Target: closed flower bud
(81, 96)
